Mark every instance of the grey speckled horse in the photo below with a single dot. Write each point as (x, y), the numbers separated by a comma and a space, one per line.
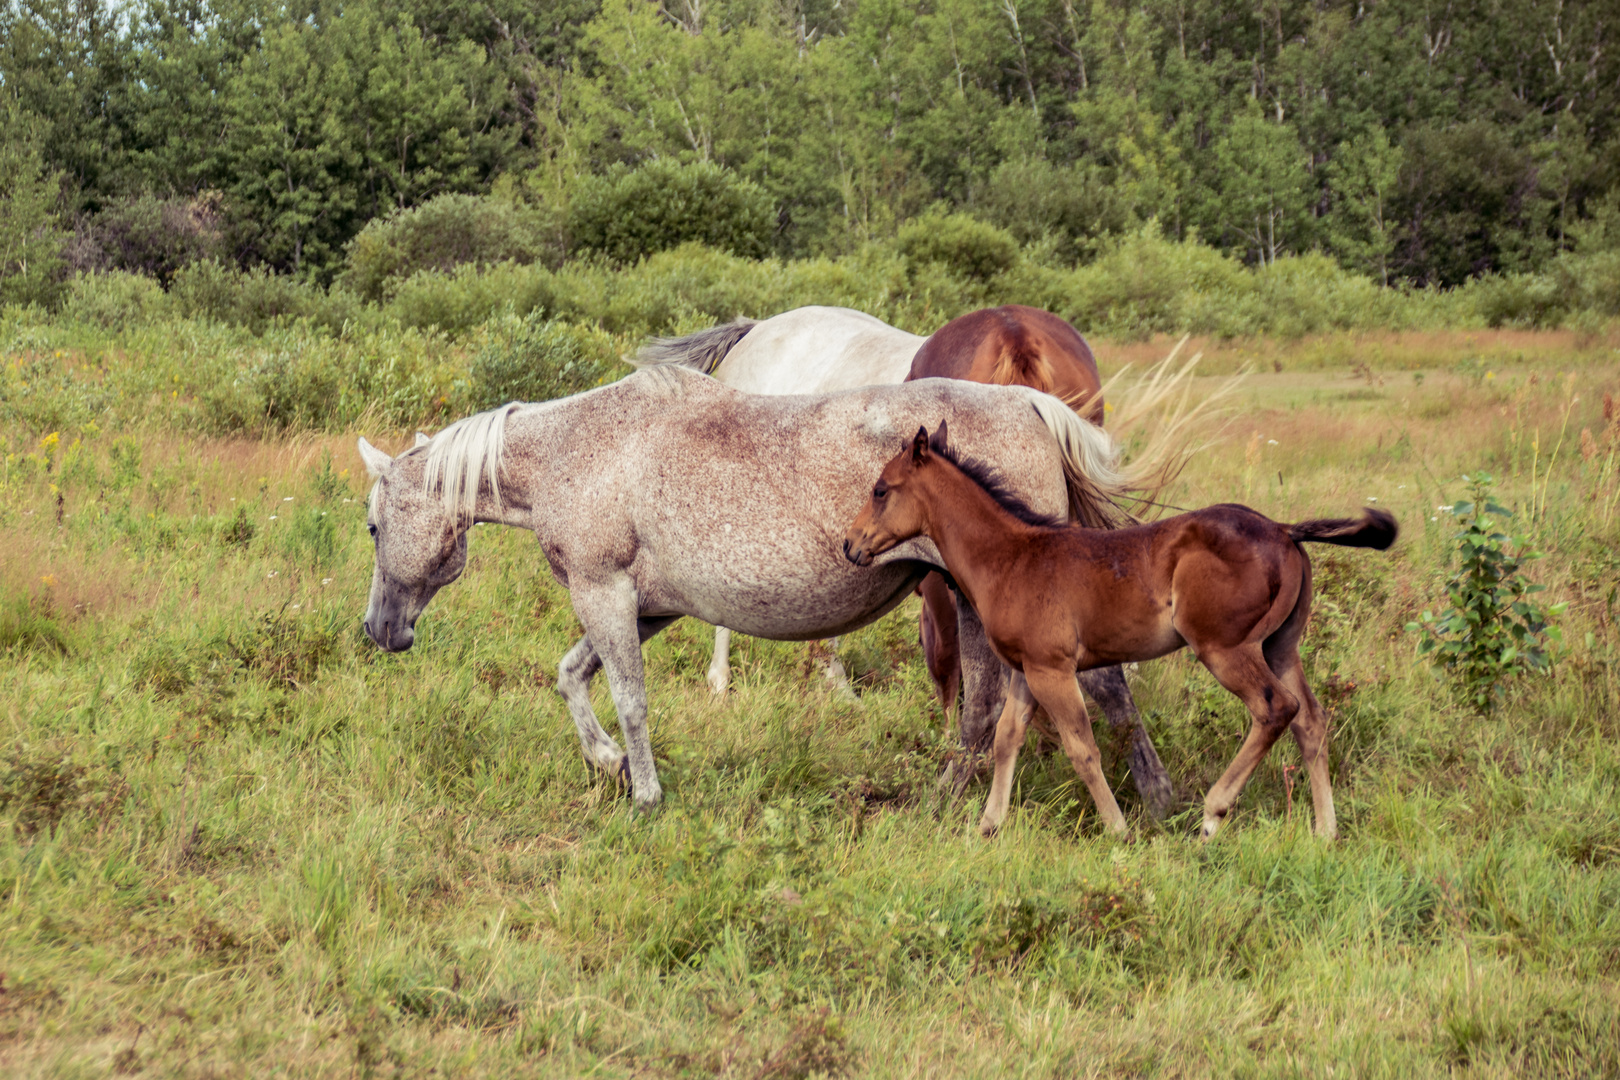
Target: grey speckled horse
(669, 494)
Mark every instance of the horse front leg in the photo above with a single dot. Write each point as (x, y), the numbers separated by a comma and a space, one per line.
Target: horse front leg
(1112, 694)
(579, 666)
(614, 635)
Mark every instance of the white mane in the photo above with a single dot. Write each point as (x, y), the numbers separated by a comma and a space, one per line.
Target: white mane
(465, 455)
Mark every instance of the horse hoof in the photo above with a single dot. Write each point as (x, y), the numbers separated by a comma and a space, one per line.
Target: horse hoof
(1211, 824)
(988, 829)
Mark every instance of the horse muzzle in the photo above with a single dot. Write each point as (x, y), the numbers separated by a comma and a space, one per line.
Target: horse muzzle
(391, 635)
(857, 555)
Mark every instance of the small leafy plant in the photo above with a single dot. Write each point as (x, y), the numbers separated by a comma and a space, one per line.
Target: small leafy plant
(1492, 632)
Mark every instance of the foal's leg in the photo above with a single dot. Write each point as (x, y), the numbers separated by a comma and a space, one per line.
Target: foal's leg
(1272, 708)
(1059, 695)
(1009, 739)
(1310, 730)
(1109, 690)
(720, 665)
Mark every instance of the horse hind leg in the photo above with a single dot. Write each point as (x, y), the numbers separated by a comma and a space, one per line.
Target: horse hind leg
(1310, 726)
(1108, 688)
(720, 665)
(1272, 707)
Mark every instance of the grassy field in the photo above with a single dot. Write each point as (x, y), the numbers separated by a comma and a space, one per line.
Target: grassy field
(237, 840)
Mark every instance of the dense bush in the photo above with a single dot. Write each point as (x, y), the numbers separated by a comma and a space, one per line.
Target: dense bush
(627, 214)
(964, 245)
(537, 359)
(114, 300)
(444, 234)
(457, 300)
(150, 236)
(257, 298)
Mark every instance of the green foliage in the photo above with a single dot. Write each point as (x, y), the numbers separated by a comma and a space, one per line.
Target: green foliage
(114, 300)
(150, 236)
(1492, 633)
(1261, 185)
(962, 244)
(445, 233)
(627, 214)
(537, 359)
(1362, 178)
(30, 240)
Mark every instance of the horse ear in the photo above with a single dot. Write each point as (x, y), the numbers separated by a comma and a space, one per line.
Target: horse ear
(376, 461)
(919, 446)
(939, 440)
(421, 440)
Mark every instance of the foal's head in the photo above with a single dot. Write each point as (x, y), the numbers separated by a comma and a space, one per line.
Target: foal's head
(421, 547)
(894, 513)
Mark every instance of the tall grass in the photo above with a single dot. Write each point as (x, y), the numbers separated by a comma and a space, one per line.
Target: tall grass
(235, 838)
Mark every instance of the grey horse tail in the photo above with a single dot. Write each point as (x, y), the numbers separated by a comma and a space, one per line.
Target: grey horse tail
(700, 351)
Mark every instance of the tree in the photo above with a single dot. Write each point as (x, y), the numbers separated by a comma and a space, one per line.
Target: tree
(30, 241)
(1362, 177)
(1260, 185)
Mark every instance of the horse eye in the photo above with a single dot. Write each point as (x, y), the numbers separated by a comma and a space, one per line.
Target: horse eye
(879, 491)
(371, 529)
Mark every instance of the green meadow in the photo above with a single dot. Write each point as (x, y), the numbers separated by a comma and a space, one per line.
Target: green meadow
(237, 840)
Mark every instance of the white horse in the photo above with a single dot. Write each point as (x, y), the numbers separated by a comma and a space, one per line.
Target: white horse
(815, 350)
(668, 494)
(809, 350)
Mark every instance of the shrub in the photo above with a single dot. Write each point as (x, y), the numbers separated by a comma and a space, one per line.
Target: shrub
(963, 244)
(443, 234)
(1527, 300)
(457, 300)
(628, 214)
(1032, 199)
(1492, 633)
(537, 359)
(114, 300)
(258, 299)
(149, 236)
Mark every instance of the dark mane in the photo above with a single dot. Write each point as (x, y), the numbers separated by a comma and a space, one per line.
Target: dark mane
(995, 485)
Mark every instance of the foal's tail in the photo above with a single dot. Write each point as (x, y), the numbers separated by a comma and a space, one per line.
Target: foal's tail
(1375, 529)
(700, 351)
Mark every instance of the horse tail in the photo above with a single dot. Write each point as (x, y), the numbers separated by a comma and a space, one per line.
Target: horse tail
(1091, 470)
(1375, 529)
(1158, 419)
(700, 351)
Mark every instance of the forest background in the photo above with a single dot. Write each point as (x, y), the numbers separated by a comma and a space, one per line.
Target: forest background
(996, 144)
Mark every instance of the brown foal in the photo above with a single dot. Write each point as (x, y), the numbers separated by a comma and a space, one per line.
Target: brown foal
(1055, 598)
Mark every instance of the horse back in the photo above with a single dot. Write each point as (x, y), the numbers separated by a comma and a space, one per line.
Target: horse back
(1014, 344)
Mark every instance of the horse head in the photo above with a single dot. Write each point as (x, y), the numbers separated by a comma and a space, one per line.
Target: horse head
(894, 513)
(421, 546)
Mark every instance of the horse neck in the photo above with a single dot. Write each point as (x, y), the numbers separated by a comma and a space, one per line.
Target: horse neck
(974, 533)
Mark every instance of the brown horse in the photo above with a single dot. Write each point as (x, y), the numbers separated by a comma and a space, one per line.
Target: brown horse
(1003, 345)
(1229, 583)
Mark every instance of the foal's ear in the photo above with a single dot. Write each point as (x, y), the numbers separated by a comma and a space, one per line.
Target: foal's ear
(421, 440)
(376, 461)
(919, 446)
(939, 440)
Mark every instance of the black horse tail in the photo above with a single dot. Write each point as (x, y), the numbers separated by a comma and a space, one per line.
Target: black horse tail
(1375, 529)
